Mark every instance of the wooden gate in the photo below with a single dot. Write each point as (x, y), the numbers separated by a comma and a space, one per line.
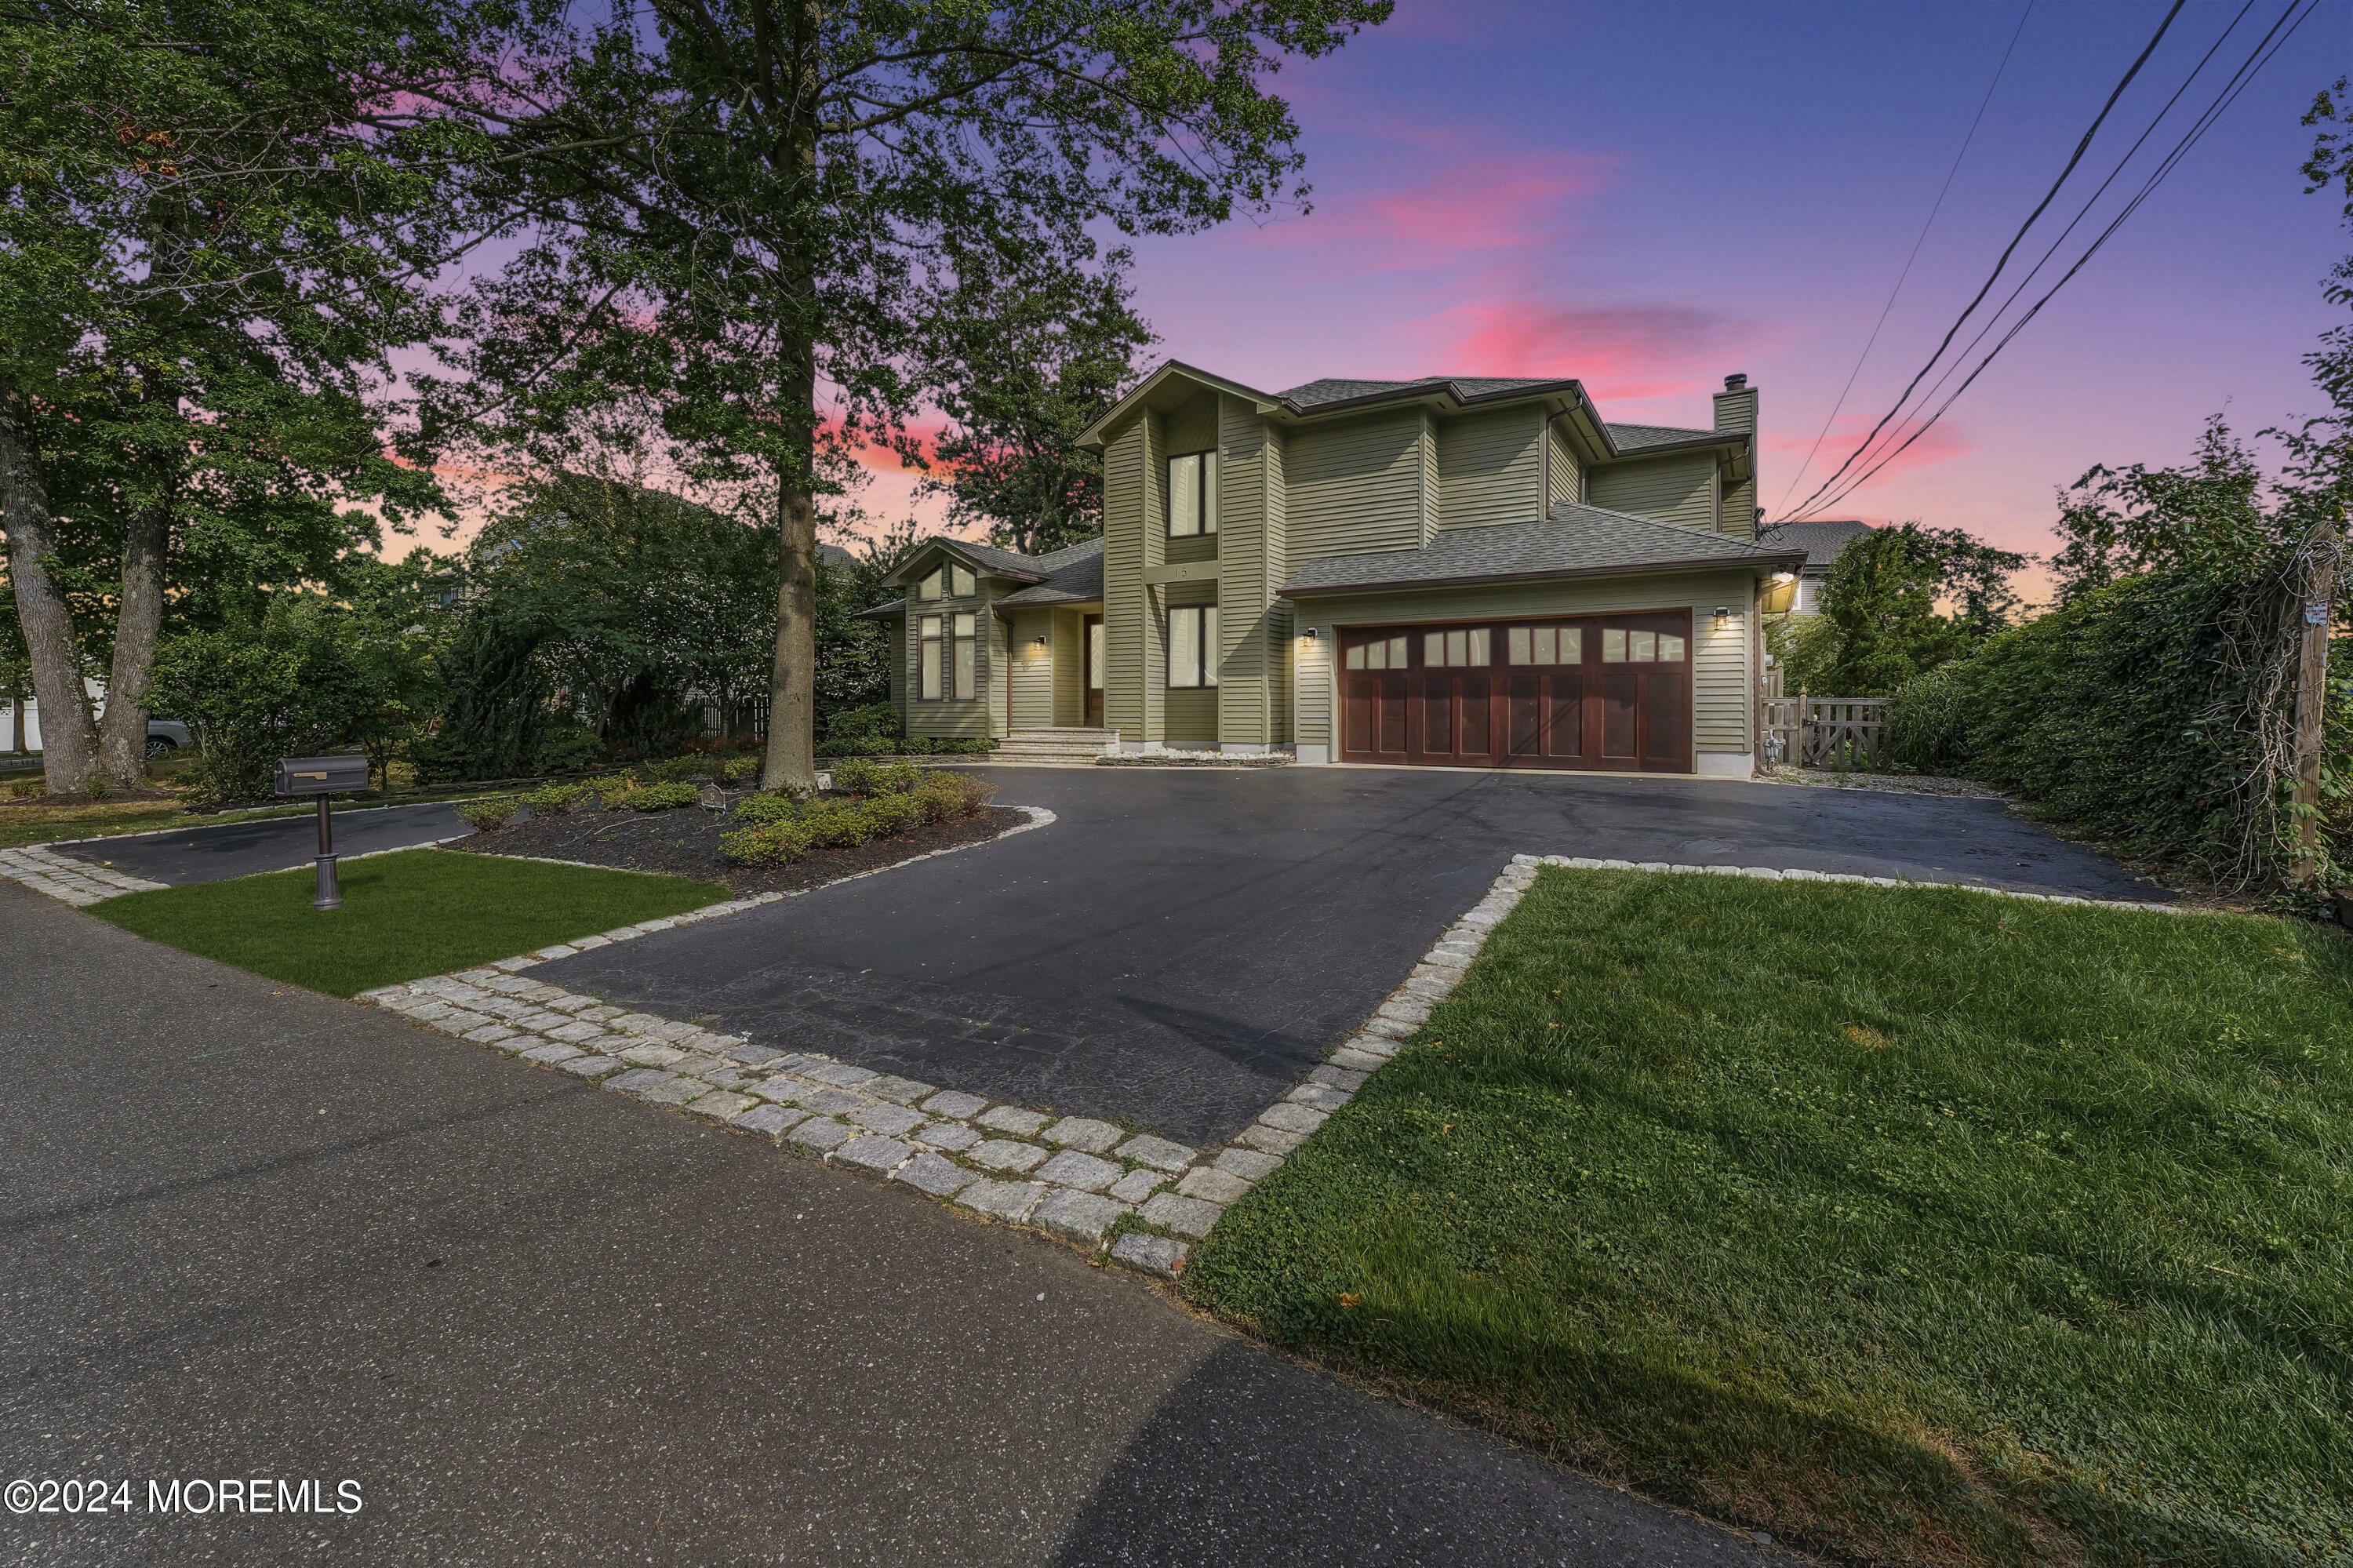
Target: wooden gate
(1826, 732)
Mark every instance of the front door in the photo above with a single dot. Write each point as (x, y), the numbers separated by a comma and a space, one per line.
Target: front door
(1605, 692)
(1092, 657)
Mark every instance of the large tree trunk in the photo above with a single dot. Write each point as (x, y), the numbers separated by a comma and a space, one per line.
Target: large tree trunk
(69, 743)
(122, 738)
(790, 761)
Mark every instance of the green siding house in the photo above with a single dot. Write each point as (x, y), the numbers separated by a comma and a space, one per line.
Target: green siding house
(1457, 572)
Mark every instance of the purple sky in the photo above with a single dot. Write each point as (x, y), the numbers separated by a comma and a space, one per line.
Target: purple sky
(1648, 196)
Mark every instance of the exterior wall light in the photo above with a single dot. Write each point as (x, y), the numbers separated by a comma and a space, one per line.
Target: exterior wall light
(1723, 618)
(1037, 642)
(1311, 634)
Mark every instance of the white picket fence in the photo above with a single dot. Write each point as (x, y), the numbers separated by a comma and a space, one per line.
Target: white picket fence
(1825, 732)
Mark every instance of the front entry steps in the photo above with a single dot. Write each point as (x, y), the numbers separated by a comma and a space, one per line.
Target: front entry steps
(1069, 744)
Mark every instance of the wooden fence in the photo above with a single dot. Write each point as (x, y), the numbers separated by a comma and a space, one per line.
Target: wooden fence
(1825, 732)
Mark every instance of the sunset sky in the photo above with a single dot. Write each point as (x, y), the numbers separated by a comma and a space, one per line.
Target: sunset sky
(1649, 195)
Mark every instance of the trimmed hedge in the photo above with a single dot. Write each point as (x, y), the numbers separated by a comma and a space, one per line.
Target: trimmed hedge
(658, 797)
(905, 745)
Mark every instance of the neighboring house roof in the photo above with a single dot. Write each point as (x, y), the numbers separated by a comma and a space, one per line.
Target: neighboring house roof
(834, 555)
(1072, 575)
(1822, 541)
(1576, 540)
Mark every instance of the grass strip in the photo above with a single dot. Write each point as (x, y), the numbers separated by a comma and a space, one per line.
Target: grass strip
(405, 916)
(1914, 1225)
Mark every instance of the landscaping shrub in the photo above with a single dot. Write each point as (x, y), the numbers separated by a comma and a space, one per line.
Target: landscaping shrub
(610, 789)
(738, 769)
(837, 824)
(776, 843)
(679, 770)
(858, 776)
(952, 797)
(554, 800)
(566, 745)
(1928, 727)
(773, 806)
(889, 814)
(907, 745)
(487, 816)
(25, 789)
(659, 798)
(285, 687)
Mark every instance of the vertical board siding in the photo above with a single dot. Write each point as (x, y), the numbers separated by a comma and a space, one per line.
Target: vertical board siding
(1491, 467)
(1356, 487)
(1125, 606)
(1722, 681)
(1679, 489)
(1563, 478)
(1030, 670)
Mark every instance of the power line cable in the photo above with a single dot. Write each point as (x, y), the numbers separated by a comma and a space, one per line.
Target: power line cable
(1934, 209)
(2081, 148)
(2231, 90)
(1993, 320)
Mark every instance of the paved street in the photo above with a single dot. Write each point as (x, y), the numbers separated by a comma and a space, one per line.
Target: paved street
(1180, 947)
(249, 1231)
(199, 853)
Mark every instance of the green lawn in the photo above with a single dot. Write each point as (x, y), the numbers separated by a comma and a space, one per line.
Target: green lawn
(405, 916)
(1913, 1225)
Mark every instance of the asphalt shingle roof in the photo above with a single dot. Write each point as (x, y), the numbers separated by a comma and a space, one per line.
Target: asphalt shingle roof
(1576, 540)
(1340, 389)
(1074, 576)
(1822, 541)
(1632, 437)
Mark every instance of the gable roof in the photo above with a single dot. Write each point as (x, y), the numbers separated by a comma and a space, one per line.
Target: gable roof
(1821, 540)
(1575, 540)
(1072, 575)
(1336, 394)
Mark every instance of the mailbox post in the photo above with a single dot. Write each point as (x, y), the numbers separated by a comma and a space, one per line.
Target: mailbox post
(322, 776)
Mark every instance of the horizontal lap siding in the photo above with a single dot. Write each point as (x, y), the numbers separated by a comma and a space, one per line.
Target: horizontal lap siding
(1672, 488)
(1721, 678)
(1491, 467)
(1245, 651)
(1070, 667)
(983, 715)
(1562, 476)
(1356, 488)
(1030, 670)
(1192, 716)
(1126, 605)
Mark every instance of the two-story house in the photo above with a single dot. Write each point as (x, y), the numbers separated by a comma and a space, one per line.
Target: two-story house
(1464, 572)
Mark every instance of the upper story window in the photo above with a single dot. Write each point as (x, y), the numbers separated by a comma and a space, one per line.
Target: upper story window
(952, 579)
(1192, 494)
(1193, 645)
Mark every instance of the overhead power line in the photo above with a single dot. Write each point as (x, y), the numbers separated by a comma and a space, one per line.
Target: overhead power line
(2265, 47)
(1934, 208)
(2082, 147)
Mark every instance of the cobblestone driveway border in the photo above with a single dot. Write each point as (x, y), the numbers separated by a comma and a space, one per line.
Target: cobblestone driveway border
(1142, 1200)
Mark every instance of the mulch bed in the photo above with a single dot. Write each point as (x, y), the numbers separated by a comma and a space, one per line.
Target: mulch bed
(685, 842)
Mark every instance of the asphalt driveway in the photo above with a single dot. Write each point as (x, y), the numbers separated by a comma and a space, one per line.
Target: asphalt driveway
(247, 1231)
(198, 853)
(1180, 946)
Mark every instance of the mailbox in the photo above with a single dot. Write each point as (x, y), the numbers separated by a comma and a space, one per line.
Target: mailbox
(321, 775)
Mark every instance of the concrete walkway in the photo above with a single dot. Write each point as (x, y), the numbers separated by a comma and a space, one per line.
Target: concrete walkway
(1179, 948)
(247, 1231)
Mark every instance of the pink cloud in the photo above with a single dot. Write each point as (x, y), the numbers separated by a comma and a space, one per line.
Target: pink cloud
(1621, 351)
(1493, 203)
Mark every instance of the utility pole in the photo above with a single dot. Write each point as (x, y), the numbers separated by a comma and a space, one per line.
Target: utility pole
(2311, 694)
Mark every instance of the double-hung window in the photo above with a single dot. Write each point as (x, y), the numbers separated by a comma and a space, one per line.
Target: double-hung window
(946, 657)
(1192, 495)
(1193, 645)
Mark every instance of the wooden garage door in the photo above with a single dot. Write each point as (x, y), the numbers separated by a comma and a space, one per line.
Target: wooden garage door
(1607, 692)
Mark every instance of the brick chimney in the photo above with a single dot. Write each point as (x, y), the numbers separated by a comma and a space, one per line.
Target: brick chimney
(1735, 405)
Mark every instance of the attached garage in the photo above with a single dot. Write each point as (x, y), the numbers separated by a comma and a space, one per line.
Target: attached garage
(1609, 693)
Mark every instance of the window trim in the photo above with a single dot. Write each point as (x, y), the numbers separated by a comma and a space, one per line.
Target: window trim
(1204, 638)
(1205, 521)
(929, 664)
